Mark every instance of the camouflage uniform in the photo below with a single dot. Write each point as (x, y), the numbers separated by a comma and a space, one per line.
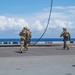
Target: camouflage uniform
(23, 39)
(66, 37)
(28, 36)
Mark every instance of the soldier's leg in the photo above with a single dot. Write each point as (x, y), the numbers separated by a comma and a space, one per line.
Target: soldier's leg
(22, 44)
(28, 42)
(64, 45)
(67, 46)
(25, 45)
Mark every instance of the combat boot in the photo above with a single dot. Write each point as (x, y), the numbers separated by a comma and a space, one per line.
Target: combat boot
(67, 48)
(21, 51)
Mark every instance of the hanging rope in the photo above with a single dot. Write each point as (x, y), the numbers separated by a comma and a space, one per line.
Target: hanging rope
(47, 23)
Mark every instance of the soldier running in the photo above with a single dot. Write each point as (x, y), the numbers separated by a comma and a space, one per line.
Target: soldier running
(66, 37)
(23, 39)
(28, 38)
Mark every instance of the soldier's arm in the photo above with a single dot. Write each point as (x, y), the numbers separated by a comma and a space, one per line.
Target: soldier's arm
(61, 34)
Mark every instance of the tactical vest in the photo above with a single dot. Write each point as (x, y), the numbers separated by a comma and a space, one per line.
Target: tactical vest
(28, 38)
(66, 35)
(23, 35)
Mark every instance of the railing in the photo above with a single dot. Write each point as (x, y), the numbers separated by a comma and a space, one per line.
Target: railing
(39, 43)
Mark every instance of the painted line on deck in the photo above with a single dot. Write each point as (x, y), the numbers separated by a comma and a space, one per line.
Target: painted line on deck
(52, 47)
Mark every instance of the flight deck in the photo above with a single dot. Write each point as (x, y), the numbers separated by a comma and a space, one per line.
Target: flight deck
(51, 60)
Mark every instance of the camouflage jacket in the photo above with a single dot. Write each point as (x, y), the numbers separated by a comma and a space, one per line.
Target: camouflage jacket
(66, 35)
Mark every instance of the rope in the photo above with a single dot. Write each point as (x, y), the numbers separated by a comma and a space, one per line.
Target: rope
(47, 23)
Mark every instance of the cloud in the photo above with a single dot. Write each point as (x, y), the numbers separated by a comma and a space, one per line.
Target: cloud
(72, 11)
(10, 23)
(7, 23)
(60, 24)
(37, 25)
(37, 22)
(63, 7)
(58, 15)
(58, 7)
(71, 7)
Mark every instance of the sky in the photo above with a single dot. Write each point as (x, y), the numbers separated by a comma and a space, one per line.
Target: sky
(16, 14)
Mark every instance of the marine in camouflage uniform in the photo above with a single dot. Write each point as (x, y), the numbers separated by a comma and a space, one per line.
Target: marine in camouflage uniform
(28, 38)
(23, 39)
(66, 37)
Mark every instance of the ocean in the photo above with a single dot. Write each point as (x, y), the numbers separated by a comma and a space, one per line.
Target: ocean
(33, 39)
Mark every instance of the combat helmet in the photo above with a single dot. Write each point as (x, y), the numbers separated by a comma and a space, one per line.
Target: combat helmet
(64, 28)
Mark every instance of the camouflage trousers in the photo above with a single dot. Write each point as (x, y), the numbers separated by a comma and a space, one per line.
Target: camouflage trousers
(66, 45)
(24, 46)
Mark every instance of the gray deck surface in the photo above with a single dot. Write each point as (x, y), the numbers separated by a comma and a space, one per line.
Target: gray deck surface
(37, 61)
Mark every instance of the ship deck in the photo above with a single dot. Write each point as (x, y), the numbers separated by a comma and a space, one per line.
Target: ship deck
(42, 60)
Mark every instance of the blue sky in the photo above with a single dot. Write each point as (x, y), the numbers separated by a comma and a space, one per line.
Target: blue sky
(16, 14)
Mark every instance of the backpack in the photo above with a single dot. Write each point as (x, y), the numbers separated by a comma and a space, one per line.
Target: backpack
(66, 35)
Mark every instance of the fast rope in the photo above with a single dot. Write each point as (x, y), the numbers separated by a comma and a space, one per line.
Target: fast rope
(47, 23)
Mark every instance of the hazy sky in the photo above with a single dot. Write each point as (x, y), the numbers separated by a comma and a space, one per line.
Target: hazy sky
(16, 14)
